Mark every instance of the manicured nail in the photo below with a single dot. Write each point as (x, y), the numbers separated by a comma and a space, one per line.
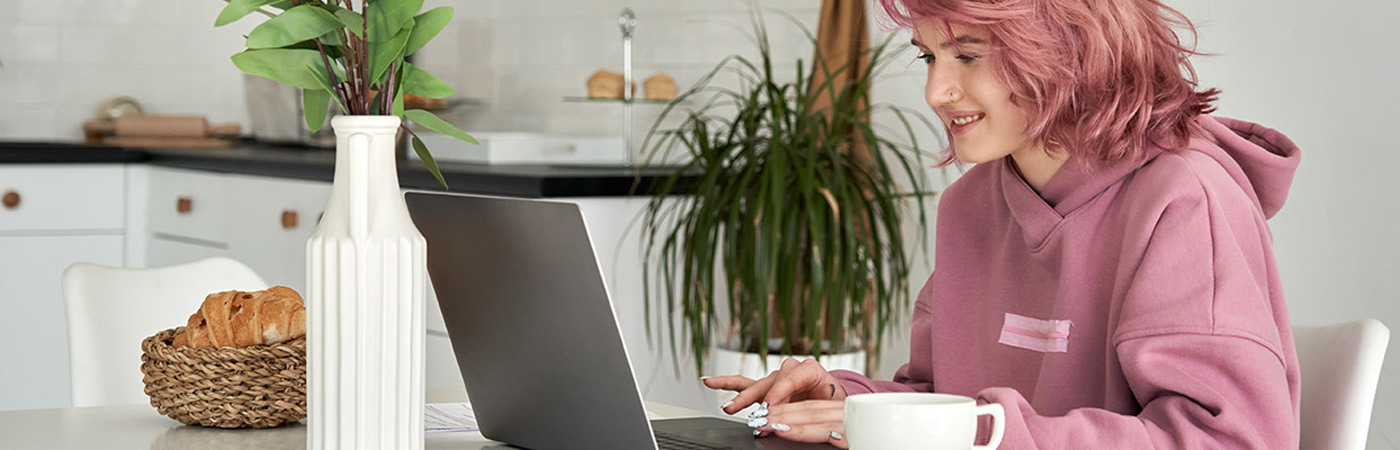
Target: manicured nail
(835, 435)
(756, 433)
(761, 421)
(781, 427)
(763, 405)
(758, 413)
(726, 404)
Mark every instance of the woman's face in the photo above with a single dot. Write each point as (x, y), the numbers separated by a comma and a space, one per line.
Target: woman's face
(974, 105)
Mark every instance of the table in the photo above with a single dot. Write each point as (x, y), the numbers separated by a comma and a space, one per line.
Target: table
(141, 427)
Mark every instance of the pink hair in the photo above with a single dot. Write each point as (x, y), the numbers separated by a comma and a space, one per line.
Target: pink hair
(1099, 79)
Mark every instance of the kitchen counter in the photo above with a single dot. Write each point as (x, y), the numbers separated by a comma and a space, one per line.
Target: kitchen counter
(528, 181)
(51, 152)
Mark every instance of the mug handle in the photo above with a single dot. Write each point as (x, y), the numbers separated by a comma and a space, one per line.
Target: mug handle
(998, 423)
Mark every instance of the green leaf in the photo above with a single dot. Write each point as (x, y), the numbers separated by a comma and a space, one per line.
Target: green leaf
(397, 107)
(432, 122)
(423, 154)
(329, 41)
(315, 103)
(325, 85)
(237, 9)
(353, 21)
(296, 67)
(426, 26)
(383, 54)
(293, 26)
(386, 18)
(419, 82)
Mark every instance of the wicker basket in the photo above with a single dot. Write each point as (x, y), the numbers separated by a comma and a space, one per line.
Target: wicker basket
(255, 387)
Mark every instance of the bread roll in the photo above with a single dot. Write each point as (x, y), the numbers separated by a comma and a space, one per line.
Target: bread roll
(242, 319)
(605, 84)
(660, 87)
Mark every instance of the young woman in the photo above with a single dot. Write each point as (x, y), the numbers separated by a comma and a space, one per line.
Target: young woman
(1104, 271)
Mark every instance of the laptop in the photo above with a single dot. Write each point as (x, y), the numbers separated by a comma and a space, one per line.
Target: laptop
(535, 334)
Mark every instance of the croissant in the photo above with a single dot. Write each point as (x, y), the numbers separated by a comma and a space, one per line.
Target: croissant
(242, 319)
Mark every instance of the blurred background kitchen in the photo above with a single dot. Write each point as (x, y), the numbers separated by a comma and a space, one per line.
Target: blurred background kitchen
(1322, 74)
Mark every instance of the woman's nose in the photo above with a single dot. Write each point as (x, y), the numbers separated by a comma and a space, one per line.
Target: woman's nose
(941, 89)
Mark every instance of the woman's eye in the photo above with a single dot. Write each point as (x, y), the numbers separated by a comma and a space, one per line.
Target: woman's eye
(927, 57)
(966, 58)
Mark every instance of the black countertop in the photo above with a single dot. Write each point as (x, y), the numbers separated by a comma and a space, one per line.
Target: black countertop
(317, 164)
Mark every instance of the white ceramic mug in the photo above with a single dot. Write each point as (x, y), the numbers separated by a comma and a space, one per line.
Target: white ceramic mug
(924, 421)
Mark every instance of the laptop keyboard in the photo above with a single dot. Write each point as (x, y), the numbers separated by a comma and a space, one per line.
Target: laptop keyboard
(668, 441)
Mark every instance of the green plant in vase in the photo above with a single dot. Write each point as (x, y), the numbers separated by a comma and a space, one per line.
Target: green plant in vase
(789, 212)
(348, 53)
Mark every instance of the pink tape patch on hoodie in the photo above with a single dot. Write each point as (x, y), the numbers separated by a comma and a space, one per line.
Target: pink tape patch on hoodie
(1045, 336)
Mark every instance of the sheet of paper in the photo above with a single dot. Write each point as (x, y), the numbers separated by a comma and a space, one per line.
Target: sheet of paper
(449, 417)
(452, 417)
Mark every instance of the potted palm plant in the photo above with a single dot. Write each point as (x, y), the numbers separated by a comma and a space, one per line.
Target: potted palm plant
(787, 222)
(366, 262)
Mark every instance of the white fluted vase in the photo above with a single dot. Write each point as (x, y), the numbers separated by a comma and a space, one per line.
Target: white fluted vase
(366, 275)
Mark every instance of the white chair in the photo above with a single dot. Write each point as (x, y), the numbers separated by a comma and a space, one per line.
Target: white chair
(1341, 365)
(111, 310)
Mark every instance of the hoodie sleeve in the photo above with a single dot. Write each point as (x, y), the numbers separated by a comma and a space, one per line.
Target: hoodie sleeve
(914, 376)
(1197, 339)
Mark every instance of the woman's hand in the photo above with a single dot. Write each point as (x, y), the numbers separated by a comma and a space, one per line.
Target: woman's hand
(801, 396)
(796, 381)
(808, 421)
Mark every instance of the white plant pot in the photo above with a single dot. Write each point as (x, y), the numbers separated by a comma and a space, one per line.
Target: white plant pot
(366, 284)
(729, 362)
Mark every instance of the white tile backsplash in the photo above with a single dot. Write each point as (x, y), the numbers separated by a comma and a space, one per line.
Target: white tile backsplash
(517, 58)
(28, 122)
(21, 44)
(108, 12)
(24, 85)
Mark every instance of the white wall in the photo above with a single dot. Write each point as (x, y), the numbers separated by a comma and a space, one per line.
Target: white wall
(521, 58)
(63, 58)
(518, 59)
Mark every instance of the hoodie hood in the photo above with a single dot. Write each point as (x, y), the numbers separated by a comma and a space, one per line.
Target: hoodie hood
(1266, 158)
(1261, 160)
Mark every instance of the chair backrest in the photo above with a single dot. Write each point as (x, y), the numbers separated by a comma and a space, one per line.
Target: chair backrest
(1341, 365)
(111, 310)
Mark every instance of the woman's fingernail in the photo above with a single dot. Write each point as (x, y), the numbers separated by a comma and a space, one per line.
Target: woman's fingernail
(758, 413)
(761, 421)
(763, 405)
(835, 435)
(781, 427)
(756, 433)
(726, 404)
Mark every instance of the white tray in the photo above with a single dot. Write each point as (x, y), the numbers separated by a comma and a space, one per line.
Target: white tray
(527, 148)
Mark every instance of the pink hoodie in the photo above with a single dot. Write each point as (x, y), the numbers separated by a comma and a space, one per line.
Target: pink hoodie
(1136, 306)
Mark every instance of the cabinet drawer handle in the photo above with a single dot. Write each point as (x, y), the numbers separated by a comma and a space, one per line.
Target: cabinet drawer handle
(184, 205)
(289, 219)
(11, 199)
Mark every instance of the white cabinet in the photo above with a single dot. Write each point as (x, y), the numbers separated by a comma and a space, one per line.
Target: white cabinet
(165, 250)
(54, 215)
(43, 198)
(191, 206)
(270, 221)
(263, 222)
(185, 216)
